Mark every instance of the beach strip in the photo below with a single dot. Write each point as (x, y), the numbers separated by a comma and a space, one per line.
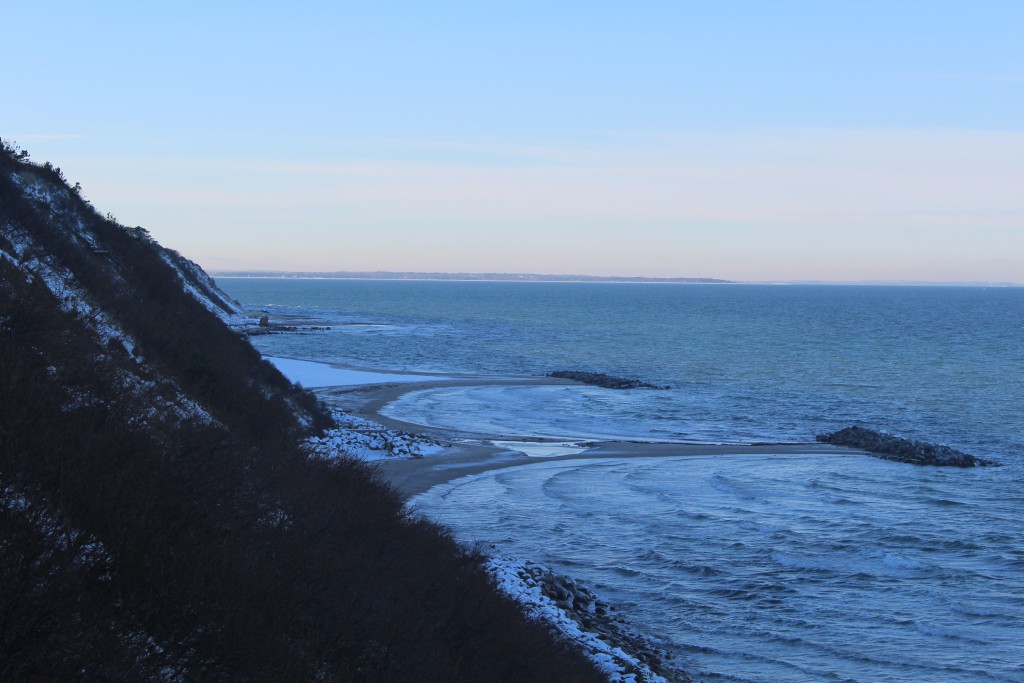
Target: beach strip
(365, 393)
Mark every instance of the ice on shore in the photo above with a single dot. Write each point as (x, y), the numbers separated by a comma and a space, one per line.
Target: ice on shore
(353, 436)
(543, 449)
(313, 375)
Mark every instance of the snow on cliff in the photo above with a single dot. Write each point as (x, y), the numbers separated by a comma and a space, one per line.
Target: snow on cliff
(21, 247)
(58, 203)
(203, 289)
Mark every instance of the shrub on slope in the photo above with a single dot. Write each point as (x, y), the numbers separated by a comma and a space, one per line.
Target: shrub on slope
(157, 518)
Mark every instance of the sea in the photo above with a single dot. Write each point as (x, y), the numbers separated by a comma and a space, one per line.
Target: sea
(742, 568)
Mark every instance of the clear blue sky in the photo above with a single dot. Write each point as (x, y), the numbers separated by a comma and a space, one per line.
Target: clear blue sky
(763, 140)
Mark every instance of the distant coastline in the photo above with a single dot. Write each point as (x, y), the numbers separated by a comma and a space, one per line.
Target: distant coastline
(536, 277)
(459, 277)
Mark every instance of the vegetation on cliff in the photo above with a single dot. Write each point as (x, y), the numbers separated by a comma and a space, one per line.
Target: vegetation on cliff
(158, 519)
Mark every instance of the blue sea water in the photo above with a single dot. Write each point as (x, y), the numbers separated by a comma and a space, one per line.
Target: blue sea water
(769, 568)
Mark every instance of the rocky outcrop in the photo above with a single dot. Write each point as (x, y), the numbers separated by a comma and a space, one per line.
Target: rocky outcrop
(889, 447)
(266, 327)
(362, 439)
(577, 613)
(599, 379)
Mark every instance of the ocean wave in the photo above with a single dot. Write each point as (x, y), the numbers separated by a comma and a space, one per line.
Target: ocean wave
(737, 486)
(852, 563)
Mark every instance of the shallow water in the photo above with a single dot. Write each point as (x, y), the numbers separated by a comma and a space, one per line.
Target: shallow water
(746, 363)
(750, 568)
(777, 568)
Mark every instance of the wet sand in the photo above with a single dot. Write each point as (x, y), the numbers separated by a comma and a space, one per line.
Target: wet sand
(415, 476)
(474, 453)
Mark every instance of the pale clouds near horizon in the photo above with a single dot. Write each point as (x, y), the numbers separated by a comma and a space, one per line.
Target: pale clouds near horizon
(745, 140)
(784, 204)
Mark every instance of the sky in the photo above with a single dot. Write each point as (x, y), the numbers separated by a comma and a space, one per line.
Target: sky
(757, 140)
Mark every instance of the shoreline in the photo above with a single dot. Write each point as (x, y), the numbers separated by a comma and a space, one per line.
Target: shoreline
(475, 464)
(470, 453)
(411, 477)
(571, 608)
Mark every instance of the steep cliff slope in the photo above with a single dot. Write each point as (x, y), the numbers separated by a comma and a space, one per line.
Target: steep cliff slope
(157, 517)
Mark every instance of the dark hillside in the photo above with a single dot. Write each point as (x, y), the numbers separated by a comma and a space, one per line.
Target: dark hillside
(158, 519)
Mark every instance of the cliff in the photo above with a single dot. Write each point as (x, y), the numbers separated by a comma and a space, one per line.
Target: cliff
(158, 518)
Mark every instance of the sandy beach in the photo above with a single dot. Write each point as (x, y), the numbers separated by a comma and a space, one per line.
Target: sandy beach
(474, 453)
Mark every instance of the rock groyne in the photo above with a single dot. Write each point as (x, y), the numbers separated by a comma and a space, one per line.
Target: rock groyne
(889, 447)
(599, 379)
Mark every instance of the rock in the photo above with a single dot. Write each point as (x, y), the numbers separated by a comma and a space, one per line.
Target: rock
(265, 321)
(638, 658)
(889, 447)
(599, 379)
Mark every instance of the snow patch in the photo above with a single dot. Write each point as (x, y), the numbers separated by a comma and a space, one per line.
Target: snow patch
(72, 298)
(521, 581)
(313, 375)
(356, 437)
(188, 280)
(38, 189)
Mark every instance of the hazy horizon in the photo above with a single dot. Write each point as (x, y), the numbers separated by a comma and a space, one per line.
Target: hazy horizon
(783, 141)
(569, 277)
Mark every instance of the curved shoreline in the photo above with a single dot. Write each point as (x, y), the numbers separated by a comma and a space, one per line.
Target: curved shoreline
(475, 452)
(607, 640)
(368, 401)
(415, 476)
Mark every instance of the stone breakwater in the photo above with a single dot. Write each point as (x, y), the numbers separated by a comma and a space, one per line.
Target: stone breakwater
(889, 447)
(262, 329)
(577, 614)
(599, 379)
